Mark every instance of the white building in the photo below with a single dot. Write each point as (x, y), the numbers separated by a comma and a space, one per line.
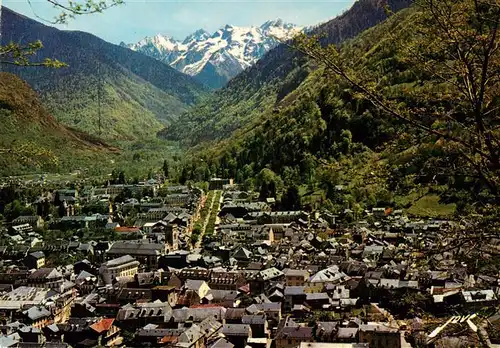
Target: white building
(123, 266)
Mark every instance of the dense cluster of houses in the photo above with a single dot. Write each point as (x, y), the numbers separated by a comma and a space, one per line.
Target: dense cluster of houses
(264, 278)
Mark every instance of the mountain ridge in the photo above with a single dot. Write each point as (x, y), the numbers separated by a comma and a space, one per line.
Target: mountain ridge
(262, 86)
(214, 59)
(139, 94)
(25, 122)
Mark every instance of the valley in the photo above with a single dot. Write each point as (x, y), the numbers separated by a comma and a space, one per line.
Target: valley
(323, 185)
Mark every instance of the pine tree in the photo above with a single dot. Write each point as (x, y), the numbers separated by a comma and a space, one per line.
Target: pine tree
(166, 169)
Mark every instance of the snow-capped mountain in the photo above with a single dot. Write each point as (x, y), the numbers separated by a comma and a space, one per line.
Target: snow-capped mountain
(216, 58)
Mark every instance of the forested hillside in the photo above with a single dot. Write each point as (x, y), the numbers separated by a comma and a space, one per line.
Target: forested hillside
(30, 138)
(139, 95)
(262, 86)
(399, 136)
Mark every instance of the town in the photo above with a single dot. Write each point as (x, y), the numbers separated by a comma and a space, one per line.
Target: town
(158, 265)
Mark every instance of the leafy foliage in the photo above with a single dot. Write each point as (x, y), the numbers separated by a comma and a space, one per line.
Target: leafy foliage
(16, 54)
(455, 53)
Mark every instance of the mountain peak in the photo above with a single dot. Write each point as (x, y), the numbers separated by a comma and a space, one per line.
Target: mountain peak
(197, 36)
(278, 22)
(215, 58)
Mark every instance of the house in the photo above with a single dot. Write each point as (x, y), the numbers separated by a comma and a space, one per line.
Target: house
(21, 229)
(373, 252)
(197, 335)
(124, 295)
(86, 282)
(83, 265)
(379, 212)
(141, 314)
(129, 232)
(294, 295)
(156, 214)
(197, 313)
(107, 333)
(176, 259)
(237, 334)
(277, 217)
(331, 275)
(379, 335)
(347, 334)
(35, 260)
(199, 287)
(271, 310)
(146, 253)
(31, 335)
(293, 336)
(318, 300)
(90, 332)
(296, 277)
(221, 343)
(479, 299)
(326, 331)
(242, 255)
(26, 296)
(152, 335)
(38, 316)
(165, 293)
(259, 280)
(172, 233)
(151, 278)
(123, 266)
(9, 341)
(35, 221)
(258, 324)
(240, 210)
(46, 278)
(222, 279)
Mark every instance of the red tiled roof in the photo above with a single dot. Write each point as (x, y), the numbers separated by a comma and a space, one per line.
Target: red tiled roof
(441, 291)
(169, 339)
(245, 288)
(132, 229)
(103, 325)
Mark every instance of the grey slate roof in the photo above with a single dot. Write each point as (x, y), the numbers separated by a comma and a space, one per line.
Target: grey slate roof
(236, 330)
(294, 290)
(259, 319)
(36, 312)
(120, 261)
(295, 332)
(37, 254)
(134, 248)
(222, 343)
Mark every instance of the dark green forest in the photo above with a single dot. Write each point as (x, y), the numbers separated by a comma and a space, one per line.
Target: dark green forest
(321, 131)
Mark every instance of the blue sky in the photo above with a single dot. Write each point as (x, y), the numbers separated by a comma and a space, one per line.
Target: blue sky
(136, 19)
